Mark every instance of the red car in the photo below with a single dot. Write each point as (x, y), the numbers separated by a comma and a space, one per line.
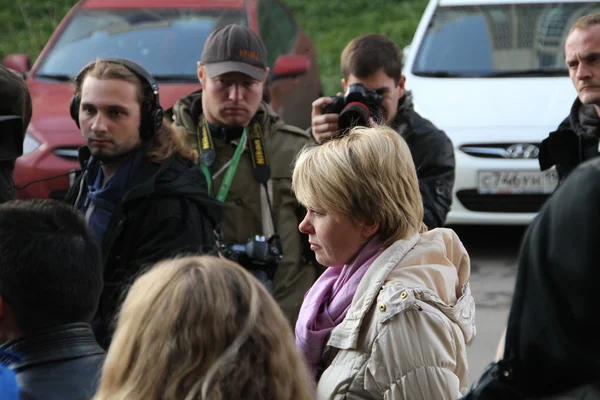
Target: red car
(164, 36)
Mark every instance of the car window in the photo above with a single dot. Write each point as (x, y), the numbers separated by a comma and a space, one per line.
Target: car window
(277, 28)
(167, 42)
(498, 40)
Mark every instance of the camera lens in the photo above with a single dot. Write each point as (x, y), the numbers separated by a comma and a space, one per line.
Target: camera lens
(354, 114)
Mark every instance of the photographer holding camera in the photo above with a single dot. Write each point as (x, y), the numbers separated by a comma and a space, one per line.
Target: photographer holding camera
(374, 94)
(246, 151)
(15, 114)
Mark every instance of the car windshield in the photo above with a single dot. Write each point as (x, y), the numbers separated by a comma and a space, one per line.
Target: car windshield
(500, 40)
(167, 42)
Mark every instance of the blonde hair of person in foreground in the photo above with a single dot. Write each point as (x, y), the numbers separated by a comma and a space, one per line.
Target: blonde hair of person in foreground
(202, 328)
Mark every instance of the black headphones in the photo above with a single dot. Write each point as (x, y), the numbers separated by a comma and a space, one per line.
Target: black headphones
(151, 114)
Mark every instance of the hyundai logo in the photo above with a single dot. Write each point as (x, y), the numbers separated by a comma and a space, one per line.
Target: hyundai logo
(522, 151)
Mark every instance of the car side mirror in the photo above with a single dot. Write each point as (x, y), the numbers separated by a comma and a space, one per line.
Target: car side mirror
(18, 62)
(289, 66)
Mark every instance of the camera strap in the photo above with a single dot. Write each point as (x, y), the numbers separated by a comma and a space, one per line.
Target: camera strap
(262, 174)
(208, 156)
(260, 164)
(261, 171)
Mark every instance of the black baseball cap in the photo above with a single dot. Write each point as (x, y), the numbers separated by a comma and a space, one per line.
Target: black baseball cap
(234, 48)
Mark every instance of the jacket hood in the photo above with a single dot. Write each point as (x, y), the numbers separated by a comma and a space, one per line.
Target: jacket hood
(434, 266)
(584, 119)
(438, 272)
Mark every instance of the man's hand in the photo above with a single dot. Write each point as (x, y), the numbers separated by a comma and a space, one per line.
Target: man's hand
(324, 126)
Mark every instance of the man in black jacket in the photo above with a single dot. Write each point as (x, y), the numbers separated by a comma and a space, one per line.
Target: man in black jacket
(551, 348)
(140, 192)
(577, 138)
(376, 62)
(50, 285)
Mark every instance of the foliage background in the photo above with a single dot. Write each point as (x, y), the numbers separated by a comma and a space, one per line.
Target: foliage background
(26, 25)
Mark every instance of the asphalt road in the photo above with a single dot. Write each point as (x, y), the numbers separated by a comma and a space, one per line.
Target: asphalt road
(493, 251)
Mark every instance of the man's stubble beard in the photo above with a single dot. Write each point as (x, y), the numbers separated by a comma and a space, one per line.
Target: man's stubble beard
(104, 158)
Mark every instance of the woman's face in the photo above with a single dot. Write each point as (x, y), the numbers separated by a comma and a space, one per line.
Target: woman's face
(333, 237)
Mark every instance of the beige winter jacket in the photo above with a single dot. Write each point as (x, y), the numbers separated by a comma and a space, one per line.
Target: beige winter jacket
(406, 332)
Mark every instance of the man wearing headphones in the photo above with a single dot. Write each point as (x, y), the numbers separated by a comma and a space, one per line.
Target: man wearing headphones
(246, 152)
(140, 191)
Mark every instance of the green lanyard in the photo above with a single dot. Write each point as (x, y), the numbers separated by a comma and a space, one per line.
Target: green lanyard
(230, 173)
(253, 137)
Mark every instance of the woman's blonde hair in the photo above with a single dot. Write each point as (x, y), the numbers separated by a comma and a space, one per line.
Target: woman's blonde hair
(169, 139)
(368, 176)
(202, 328)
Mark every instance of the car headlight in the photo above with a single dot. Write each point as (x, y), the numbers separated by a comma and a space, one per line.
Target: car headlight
(30, 144)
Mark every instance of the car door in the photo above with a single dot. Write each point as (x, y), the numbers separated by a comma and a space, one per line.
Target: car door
(281, 34)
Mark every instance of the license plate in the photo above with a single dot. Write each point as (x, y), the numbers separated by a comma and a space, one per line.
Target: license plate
(517, 182)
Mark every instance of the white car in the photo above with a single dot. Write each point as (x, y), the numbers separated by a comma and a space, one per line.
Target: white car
(492, 75)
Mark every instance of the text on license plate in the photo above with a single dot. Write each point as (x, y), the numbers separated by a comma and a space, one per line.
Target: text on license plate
(517, 182)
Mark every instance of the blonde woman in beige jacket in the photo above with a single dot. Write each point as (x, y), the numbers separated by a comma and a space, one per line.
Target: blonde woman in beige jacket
(393, 314)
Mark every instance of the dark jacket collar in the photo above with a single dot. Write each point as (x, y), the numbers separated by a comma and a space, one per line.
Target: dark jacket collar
(171, 176)
(60, 343)
(405, 103)
(584, 119)
(226, 133)
(143, 176)
(402, 121)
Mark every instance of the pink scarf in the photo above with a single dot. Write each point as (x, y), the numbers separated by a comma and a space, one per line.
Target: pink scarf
(327, 302)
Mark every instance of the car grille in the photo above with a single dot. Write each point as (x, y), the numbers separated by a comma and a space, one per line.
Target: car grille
(502, 150)
(68, 153)
(508, 203)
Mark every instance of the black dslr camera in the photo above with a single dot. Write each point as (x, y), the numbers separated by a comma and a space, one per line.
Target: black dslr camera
(258, 255)
(355, 107)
